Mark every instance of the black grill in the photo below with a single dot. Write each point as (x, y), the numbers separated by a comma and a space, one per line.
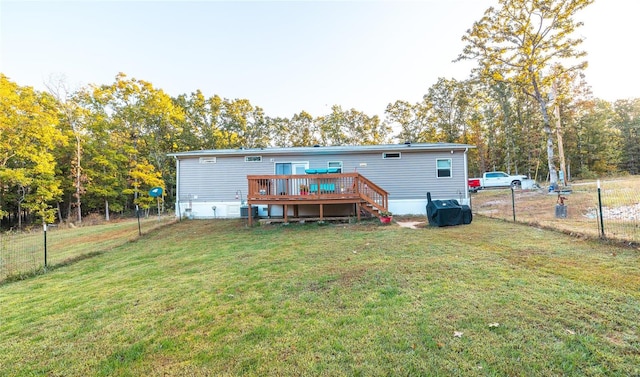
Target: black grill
(447, 212)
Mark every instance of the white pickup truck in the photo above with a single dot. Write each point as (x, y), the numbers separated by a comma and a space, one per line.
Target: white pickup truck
(495, 179)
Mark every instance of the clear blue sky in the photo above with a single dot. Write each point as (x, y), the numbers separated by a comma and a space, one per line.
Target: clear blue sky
(283, 56)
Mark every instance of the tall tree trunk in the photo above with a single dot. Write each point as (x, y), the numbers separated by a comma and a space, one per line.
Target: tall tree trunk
(22, 191)
(106, 209)
(563, 167)
(78, 179)
(69, 209)
(20, 215)
(59, 214)
(553, 175)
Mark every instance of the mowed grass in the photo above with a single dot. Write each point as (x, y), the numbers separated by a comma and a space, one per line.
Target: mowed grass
(22, 254)
(214, 298)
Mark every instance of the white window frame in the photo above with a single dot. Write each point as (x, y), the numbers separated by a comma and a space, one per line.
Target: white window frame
(392, 155)
(450, 167)
(338, 163)
(252, 158)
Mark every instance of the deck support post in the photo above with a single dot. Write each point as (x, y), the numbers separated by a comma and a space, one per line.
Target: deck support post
(339, 188)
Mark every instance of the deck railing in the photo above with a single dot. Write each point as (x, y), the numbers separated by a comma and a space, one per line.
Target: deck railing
(315, 188)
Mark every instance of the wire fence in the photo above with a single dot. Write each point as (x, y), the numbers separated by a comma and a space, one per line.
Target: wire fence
(607, 209)
(610, 210)
(28, 252)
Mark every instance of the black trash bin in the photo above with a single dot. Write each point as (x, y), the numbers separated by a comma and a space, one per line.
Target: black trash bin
(447, 212)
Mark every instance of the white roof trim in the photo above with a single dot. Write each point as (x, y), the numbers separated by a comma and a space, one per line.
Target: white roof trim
(325, 150)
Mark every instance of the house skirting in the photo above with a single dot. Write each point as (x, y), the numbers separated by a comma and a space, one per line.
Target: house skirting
(231, 209)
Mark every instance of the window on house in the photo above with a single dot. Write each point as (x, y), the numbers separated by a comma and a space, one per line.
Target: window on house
(207, 160)
(443, 168)
(391, 155)
(334, 166)
(253, 159)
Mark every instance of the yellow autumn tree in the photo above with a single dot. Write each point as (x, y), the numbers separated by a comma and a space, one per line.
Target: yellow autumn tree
(28, 137)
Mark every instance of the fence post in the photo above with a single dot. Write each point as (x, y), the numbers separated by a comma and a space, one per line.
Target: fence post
(513, 202)
(138, 216)
(44, 226)
(600, 209)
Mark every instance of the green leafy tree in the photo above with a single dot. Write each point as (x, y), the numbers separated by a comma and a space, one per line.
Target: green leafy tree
(163, 132)
(200, 124)
(627, 121)
(448, 103)
(281, 131)
(142, 125)
(243, 125)
(303, 130)
(597, 140)
(519, 42)
(104, 155)
(72, 118)
(258, 134)
(351, 127)
(362, 129)
(402, 117)
(331, 127)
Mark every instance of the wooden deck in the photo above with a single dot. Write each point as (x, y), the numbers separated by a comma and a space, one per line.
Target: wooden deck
(316, 189)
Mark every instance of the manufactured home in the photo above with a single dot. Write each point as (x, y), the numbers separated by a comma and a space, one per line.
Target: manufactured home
(304, 182)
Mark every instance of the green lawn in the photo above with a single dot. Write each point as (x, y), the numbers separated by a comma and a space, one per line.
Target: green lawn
(215, 298)
(22, 254)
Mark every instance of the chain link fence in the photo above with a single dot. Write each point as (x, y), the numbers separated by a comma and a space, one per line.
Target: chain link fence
(607, 209)
(29, 252)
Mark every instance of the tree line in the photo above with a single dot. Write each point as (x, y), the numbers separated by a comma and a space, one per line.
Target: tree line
(100, 149)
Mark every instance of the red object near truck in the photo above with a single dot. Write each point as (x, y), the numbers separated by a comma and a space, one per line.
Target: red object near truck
(474, 184)
(495, 179)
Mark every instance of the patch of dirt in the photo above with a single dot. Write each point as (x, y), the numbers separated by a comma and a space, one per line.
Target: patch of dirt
(526, 257)
(410, 224)
(348, 278)
(630, 212)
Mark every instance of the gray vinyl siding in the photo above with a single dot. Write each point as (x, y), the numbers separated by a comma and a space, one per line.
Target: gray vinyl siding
(217, 181)
(414, 174)
(408, 177)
